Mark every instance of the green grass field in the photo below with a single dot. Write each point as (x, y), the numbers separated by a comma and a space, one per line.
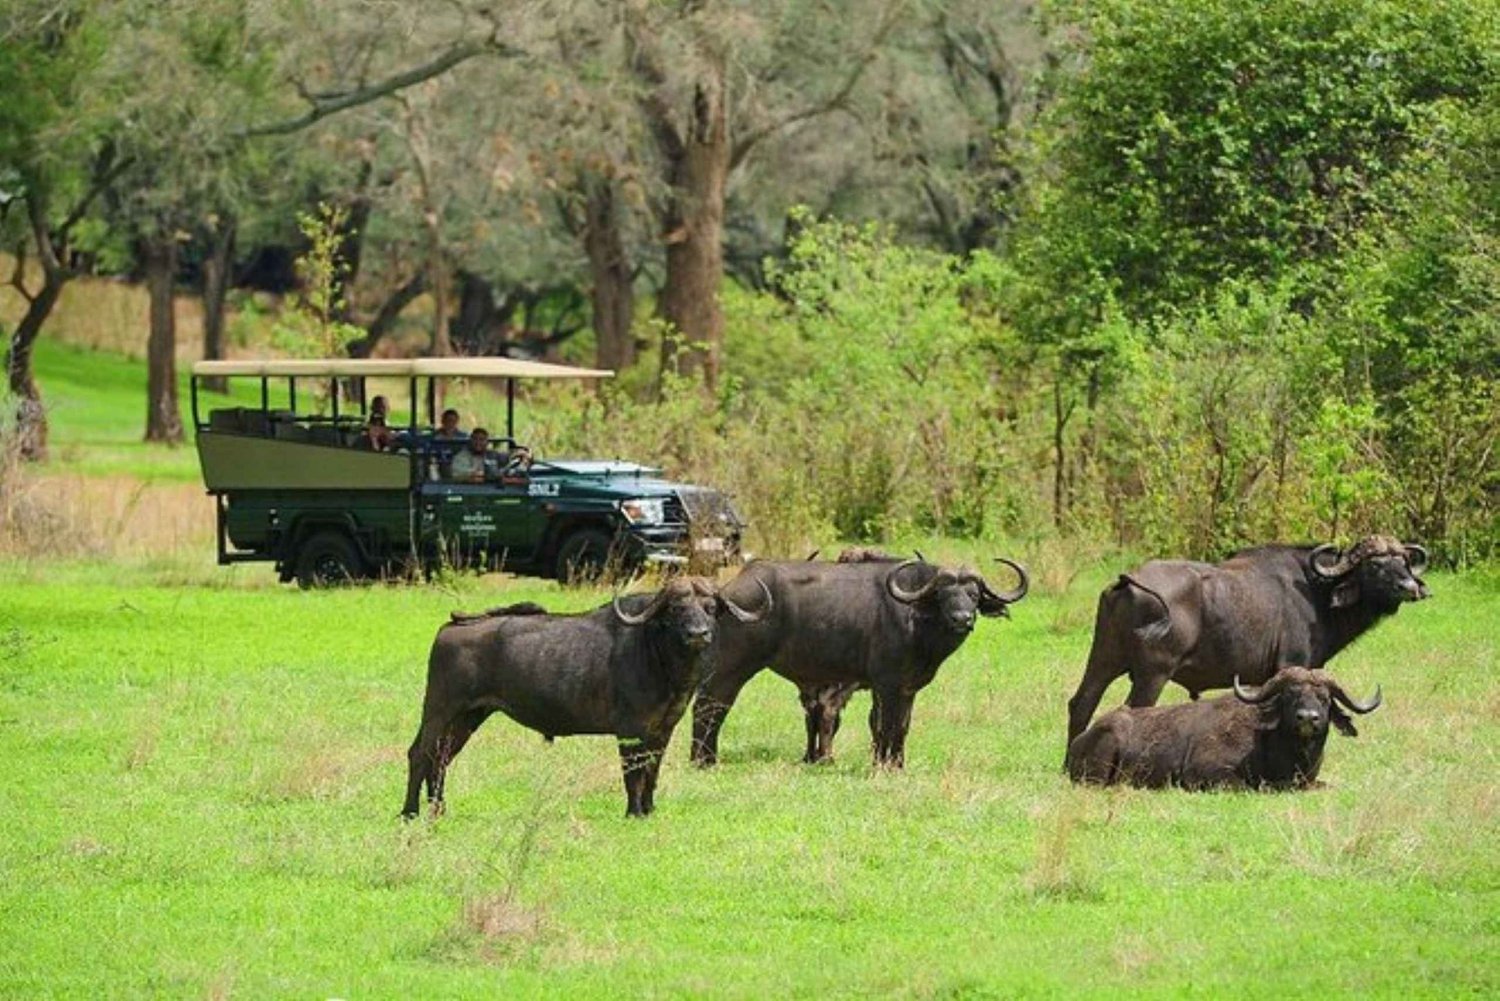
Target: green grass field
(204, 784)
(96, 409)
(205, 770)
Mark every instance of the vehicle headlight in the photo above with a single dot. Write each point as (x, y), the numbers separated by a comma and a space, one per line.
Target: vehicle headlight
(645, 510)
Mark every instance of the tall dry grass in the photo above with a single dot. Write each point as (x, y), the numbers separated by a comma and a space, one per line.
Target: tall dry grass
(73, 516)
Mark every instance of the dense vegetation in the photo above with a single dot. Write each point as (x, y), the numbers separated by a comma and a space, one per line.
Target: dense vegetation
(1169, 276)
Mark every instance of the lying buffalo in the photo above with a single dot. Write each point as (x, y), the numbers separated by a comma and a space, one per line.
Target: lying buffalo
(1202, 624)
(868, 621)
(627, 668)
(1269, 739)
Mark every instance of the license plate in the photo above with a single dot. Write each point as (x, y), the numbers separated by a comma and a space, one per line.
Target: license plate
(709, 545)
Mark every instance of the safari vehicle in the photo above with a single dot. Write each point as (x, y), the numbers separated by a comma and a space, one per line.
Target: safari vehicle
(307, 492)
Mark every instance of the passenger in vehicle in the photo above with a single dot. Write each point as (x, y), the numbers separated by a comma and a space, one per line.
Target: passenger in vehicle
(377, 436)
(472, 464)
(448, 429)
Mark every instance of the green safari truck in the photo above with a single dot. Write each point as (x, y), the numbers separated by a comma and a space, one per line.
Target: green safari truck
(311, 493)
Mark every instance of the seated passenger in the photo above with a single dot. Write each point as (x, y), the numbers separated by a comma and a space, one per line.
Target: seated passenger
(377, 437)
(472, 464)
(448, 429)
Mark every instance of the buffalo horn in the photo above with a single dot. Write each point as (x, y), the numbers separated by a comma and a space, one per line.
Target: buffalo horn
(908, 597)
(1416, 558)
(1009, 597)
(1343, 699)
(744, 614)
(646, 614)
(1340, 565)
(1253, 698)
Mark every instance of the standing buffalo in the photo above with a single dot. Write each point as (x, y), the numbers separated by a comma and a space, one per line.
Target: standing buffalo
(627, 668)
(868, 621)
(1272, 738)
(1202, 624)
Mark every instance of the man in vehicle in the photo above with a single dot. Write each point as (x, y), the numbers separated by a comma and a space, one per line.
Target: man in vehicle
(472, 464)
(448, 429)
(378, 437)
(447, 440)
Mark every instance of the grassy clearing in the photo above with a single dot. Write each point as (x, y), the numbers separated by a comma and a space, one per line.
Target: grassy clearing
(96, 408)
(204, 784)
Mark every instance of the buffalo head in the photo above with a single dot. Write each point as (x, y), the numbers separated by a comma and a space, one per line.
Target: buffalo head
(1303, 702)
(688, 607)
(955, 596)
(1380, 571)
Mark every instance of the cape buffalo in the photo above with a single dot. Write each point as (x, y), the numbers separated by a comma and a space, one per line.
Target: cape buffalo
(1201, 624)
(626, 668)
(1271, 739)
(868, 621)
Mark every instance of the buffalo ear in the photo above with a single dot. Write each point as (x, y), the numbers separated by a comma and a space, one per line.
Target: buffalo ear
(1346, 594)
(1341, 721)
(992, 606)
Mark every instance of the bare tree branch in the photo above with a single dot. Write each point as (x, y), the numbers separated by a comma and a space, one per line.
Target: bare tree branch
(833, 102)
(330, 103)
(658, 112)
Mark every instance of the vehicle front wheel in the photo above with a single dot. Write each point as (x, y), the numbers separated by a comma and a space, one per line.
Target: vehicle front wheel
(328, 559)
(585, 557)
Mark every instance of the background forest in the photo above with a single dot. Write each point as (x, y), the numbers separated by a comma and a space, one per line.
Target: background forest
(1168, 276)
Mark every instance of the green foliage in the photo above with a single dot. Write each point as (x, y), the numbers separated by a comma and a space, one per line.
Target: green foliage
(1201, 141)
(859, 404)
(312, 325)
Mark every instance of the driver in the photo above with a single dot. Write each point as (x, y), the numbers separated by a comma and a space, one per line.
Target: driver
(475, 463)
(471, 463)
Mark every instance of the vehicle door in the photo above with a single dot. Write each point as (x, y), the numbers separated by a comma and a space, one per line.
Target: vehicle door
(498, 520)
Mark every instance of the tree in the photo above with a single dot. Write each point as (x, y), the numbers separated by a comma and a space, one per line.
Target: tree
(707, 114)
(1197, 142)
(56, 161)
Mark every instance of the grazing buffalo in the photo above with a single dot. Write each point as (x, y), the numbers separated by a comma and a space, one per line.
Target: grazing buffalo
(1270, 739)
(868, 621)
(627, 668)
(1203, 624)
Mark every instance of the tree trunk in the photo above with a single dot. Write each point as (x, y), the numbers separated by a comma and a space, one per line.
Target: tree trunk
(31, 416)
(611, 293)
(163, 417)
(479, 320)
(694, 225)
(216, 278)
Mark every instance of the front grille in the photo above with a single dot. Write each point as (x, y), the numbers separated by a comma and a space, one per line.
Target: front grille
(674, 512)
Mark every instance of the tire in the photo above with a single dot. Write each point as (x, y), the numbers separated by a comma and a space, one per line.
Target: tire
(584, 557)
(328, 559)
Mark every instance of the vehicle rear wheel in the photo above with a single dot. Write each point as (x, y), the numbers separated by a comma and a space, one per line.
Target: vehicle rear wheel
(584, 557)
(328, 559)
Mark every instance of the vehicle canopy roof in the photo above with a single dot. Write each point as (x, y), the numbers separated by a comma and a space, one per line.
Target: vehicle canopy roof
(440, 368)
